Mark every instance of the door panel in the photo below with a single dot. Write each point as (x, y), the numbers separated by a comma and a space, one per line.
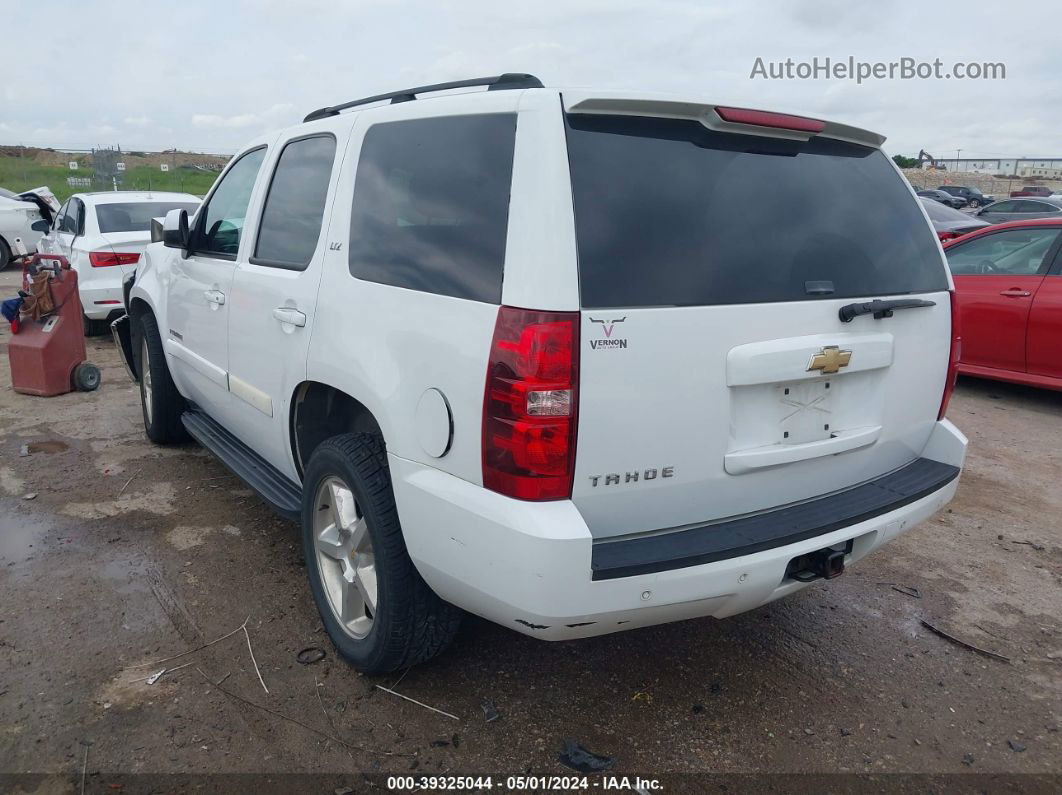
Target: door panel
(198, 294)
(994, 310)
(996, 276)
(1044, 340)
(275, 296)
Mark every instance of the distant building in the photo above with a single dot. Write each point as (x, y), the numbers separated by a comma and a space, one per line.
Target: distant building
(1046, 167)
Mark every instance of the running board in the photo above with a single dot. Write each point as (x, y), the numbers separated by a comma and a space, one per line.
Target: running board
(284, 496)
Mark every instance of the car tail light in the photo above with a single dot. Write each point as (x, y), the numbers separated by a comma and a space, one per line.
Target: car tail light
(762, 118)
(530, 404)
(953, 358)
(104, 259)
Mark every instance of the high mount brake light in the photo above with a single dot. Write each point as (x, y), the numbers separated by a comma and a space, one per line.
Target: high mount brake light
(953, 357)
(530, 404)
(104, 259)
(763, 118)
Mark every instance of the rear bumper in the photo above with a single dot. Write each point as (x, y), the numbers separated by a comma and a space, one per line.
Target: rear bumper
(530, 566)
(99, 302)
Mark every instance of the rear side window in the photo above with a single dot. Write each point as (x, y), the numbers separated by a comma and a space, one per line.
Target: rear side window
(669, 213)
(431, 205)
(295, 204)
(136, 216)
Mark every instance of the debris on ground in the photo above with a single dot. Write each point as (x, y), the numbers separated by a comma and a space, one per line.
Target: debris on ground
(31, 496)
(967, 759)
(963, 643)
(578, 758)
(489, 712)
(1033, 544)
(418, 703)
(909, 590)
(1015, 746)
(310, 655)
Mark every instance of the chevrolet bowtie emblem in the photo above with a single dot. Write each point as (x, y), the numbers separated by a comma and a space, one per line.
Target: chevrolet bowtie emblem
(830, 359)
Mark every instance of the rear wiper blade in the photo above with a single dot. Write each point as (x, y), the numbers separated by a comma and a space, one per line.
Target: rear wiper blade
(880, 309)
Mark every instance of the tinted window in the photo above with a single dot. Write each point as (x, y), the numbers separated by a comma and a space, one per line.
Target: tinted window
(1015, 252)
(941, 212)
(294, 207)
(220, 226)
(136, 216)
(1002, 207)
(431, 205)
(669, 213)
(1036, 207)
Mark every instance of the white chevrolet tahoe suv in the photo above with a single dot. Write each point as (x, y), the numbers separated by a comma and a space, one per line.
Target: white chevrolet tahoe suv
(574, 361)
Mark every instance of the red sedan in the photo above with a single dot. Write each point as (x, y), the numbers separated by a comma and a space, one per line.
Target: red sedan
(1008, 283)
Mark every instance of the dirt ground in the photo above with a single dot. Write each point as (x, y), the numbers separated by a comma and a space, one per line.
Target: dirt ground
(115, 553)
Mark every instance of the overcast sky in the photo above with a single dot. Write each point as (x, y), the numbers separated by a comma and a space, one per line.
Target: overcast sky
(208, 76)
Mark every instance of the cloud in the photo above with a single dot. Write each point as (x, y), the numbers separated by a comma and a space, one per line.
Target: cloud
(214, 91)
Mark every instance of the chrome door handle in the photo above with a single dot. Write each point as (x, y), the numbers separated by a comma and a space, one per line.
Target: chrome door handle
(214, 297)
(285, 314)
(1016, 292)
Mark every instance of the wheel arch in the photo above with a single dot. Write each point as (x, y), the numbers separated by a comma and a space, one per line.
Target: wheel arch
(320, 411)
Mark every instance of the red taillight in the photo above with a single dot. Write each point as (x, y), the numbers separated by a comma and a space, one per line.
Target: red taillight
(104, 259)
(529, 404)
(763, 118)
(953, 358)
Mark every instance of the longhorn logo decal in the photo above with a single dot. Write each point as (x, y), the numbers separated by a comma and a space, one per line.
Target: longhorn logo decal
(608, 326)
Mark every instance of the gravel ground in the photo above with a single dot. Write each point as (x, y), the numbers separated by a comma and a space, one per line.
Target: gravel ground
(129, 553)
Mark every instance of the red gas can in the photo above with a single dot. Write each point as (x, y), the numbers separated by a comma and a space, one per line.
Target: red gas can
(47, 356)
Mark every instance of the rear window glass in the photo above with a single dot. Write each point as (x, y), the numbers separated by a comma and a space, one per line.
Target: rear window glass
(431, 205)
(669, 213)
(136, 216)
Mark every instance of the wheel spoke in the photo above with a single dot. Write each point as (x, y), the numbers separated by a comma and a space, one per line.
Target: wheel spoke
(344, 511)
(352, 606)
(330, 542)
(365, 580)
(359, 535)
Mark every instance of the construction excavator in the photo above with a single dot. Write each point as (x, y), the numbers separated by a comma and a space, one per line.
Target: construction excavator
(924, 157)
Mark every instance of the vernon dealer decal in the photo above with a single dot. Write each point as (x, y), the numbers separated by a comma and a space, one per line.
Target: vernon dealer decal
(609, 342)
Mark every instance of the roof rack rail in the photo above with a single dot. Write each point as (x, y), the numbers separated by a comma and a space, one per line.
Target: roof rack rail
(509, 80)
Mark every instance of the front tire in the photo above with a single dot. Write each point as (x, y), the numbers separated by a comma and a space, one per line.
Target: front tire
(376, 608)
(5, 254)
(973, 204)
(160, 402)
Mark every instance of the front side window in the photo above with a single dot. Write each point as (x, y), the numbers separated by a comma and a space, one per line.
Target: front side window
(1013, 252)
(295, 204)
(61, 222)
(431, 205)
(1002, 207)
(220, 227)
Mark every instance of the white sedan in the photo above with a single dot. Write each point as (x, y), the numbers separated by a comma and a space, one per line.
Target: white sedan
(24, 217)
(103, 235)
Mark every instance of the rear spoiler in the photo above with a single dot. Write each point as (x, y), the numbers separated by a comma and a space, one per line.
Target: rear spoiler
(722, 118)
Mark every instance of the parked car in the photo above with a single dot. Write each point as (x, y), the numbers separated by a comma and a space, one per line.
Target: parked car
(1008, 284)
(973, 196)
(485, 349)
(949, 223)
(947, 199)
(1020, 210)
(103, 235)
(24, 216)
(1031, 190)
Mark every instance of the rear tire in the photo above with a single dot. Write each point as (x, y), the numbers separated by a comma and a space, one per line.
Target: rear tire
(160, 402)
(376, 608)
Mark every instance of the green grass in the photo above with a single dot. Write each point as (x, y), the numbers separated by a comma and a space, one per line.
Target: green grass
(17, 174)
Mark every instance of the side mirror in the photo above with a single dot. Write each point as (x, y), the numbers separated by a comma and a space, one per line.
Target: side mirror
(41, 226)
(175, 230)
